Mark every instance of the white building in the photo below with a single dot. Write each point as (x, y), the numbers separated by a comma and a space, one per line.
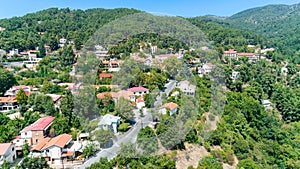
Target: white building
(266, 103)
(7, 153)
(235, 75)
(8, 103)
(56, 149)
(186, 88)
(15, 89)
(139, 91)
(110, 122)
(171, 107)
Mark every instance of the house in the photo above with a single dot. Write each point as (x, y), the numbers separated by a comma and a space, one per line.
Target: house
(284, 71)
(171, 107)
(112, 65)
(252, 57)
(186, 88)
(56, 150)
(205, 69)
(13, 52)
(140, 103)
(110, 122)
(139, 91)
(62, 40)
(235, 75)
(117, 95)
(105, 75)
(37, 131)
(8, 103)
(2, 29)
(231, 54)
(15, 89)
(7, 153)
(265, 51)
(266, 103)
(195, 61)
(55, 98)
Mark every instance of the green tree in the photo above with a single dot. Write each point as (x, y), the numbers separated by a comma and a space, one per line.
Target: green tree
(123, 127)
(67, 106)
(66, 56)
(209, 162)
(124, 108)
(89, 150)
(21, 97)
(7, 80)
(36, 163)
(25, 149)
(147, 141)
(5, 165)
(247, 164)
(42, 50)
(61, 125)
(103, 137)
(103, 164)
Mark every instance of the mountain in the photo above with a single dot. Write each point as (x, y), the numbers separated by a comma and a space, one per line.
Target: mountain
(279, 23)
(225, 36)
(48, 26)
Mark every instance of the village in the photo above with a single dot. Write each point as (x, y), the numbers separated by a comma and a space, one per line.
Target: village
(69, 150)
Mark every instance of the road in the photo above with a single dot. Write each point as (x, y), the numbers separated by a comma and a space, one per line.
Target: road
(170, 86)
(130, 136)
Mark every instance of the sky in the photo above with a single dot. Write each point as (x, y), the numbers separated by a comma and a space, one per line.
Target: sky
(187, 8)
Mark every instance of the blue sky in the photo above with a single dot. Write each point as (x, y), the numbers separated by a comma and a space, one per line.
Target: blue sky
(10, 8)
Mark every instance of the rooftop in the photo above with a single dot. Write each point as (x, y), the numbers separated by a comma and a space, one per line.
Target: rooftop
(106, 75)
(40, 124)
(108, 119)
(59, 141)
(4, 147)
(170, 106)
(138, 89)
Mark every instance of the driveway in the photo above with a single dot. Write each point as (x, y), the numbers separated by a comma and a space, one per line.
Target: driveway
(113, 151)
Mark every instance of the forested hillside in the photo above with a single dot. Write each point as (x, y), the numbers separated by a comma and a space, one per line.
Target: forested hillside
(278, 23)
(224, 37)
(48, 26)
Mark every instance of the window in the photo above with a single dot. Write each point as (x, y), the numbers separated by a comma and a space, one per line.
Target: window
(25, 133)
(37, 140)
(13, 149)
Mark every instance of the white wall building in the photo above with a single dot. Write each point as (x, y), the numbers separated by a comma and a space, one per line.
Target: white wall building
(7, 153)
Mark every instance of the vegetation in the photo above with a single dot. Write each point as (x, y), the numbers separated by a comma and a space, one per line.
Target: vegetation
(267, 20)
(7, 80)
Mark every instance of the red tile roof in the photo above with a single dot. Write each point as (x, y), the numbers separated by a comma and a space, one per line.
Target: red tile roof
(67, 154)
(4, 147)
(106, 75)
(40, 124)
(247, 54)
(8, 100)
(59, 141)
(41, 144)
(140, 99)
(230, 52)
(170, 106)
(138, 89)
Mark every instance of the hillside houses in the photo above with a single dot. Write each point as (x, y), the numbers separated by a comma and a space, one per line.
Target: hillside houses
(232, 54)
(7, 153)
(15, 89)
(55, 150)
(8, 103)
(34, 133)
(186, 88)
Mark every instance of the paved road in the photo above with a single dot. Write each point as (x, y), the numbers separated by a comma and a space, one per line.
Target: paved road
(130, 136)
(170, 86)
